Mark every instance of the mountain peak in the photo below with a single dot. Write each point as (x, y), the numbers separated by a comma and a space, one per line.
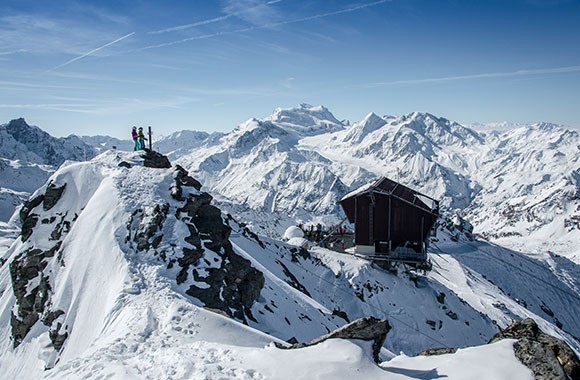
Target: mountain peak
(19, 121)
(306, 120)
(358, 131)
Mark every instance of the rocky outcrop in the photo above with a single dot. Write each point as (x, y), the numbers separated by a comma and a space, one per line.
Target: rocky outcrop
(547, 357)
(231, 284)
(28, 219)
(437, 351)
(32, 301)
(369, 329)
(182, 178)
(52, 195)
(207, 265)
(147, 235)
(153, 159)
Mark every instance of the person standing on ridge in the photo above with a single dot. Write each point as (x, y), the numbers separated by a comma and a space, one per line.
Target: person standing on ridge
(135, 137)
(142, 139)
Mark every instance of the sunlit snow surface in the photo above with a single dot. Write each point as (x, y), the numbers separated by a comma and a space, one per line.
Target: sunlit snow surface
(128, 319)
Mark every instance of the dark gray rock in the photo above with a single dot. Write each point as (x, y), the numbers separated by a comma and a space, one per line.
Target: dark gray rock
(52, 195)
(547, 357)
(56, 337)
(144, 235)
(28, 206)
(438, 351)
(28, 219)
(153, 159)
(230, 284)
(28, 226)
(369, 329)
(182, 179)
(31, 303)
(189, 258)
(194, 203)
(232, 287)
(62, 227)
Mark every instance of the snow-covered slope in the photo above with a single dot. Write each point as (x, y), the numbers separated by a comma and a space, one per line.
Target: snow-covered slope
(258, 167)
(532, 189)
(183, 142)
(124, 269)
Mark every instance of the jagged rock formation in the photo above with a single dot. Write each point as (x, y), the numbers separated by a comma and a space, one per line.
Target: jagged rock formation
(32, 301)
(369, 329)
(153, 159)
(546, 356)
(221, 279)
(234, 284)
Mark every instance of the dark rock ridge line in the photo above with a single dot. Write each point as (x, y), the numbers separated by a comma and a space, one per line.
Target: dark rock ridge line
(231, 284)
(33, 304)
(368, 329)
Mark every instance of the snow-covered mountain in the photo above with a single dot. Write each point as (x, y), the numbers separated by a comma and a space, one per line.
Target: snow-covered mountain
(294, 165)
(27, 143)
(259, 170)
(183, 142)
(124, 268)
(518, 187)
(28, 157)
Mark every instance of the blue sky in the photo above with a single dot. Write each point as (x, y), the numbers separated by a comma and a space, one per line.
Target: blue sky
(99, 67)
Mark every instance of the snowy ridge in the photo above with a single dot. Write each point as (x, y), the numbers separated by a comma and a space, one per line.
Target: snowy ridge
(306, 120)
(119, 297)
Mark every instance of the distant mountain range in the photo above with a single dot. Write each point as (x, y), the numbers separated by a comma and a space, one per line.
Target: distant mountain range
(520, 186)
(523, 183)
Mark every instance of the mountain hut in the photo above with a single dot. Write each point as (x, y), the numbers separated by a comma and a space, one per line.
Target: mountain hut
(392, 223)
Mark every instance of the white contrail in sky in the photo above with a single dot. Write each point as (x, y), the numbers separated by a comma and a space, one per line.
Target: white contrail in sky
(270, 25)
(209, 21)
(91, 52)
(13, 52)
(556, 70)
